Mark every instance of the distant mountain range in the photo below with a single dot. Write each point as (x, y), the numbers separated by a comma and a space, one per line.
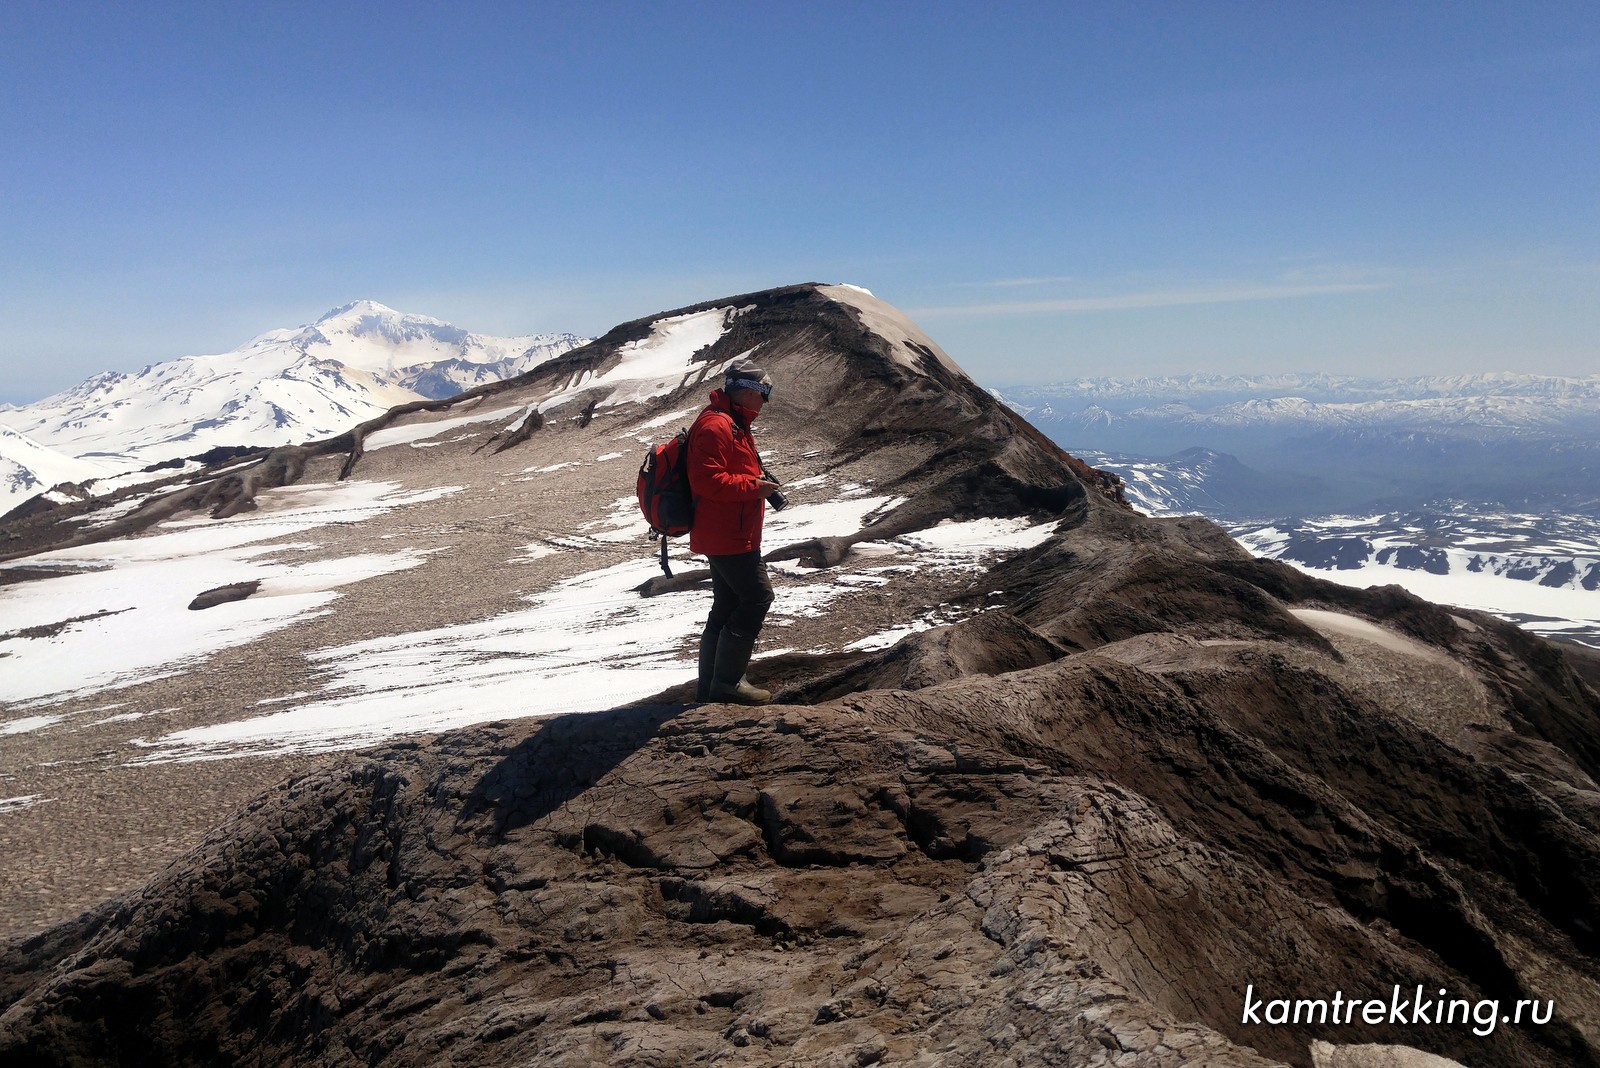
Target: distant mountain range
(283, 387)
(1473, 490)
(1338, 398)
(1540, 570)
(1524, 442)
(28, 468)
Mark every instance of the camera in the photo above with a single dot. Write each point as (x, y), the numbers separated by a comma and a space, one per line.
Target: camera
(776, 499)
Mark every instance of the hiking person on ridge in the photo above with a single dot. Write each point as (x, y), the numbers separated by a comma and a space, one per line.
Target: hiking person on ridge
(730, 489)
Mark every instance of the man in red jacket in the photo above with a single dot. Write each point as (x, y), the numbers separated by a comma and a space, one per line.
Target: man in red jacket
(730, 490)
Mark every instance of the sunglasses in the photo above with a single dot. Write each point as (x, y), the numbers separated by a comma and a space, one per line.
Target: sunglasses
(763, 388)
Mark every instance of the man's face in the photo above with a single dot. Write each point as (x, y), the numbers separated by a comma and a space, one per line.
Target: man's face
(748, 398)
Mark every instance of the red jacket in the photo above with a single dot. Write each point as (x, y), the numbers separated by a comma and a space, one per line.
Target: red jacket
(724, 470)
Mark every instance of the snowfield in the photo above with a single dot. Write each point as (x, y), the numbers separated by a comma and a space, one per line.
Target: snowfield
(1541, 573)
(587, 643)
(1554, 612)
(122, 616)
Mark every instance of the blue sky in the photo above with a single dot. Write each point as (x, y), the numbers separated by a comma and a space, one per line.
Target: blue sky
(1051, 190)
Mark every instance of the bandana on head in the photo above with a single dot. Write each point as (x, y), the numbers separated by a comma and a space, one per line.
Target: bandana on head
(763, 388)
(747, 377)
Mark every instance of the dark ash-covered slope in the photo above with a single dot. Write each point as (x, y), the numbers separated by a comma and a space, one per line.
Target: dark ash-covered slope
(1145, 774)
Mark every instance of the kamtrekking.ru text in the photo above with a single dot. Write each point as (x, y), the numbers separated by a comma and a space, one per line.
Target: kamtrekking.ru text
(1407, 1008)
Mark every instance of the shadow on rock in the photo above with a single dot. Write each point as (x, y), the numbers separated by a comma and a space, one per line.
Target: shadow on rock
(565, 757)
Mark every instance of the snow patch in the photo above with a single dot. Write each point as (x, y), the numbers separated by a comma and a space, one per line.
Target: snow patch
(1540, 609)
(1356, 627)
(29, 724)
(656, 365)
(682, 414)
(585, 644)
(410, 433)
(130, 616)
(826, 519)
(909, 344)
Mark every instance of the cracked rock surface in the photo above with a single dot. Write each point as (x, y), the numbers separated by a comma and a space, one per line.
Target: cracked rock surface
(1080, 863)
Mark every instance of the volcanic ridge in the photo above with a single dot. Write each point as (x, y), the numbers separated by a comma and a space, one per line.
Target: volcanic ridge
(1047, 781)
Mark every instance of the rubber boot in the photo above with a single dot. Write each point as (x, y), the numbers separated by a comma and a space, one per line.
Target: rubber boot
(727, 680)
(708, 662)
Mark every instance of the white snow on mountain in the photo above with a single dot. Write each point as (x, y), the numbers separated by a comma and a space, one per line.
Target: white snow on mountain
(28, 468)
(909, 344)
(1540, 572)
(649, 367)
(1155, 487)
(283, 387)
(126, 603)
(587, 643)
(425, 355)
(656, 364)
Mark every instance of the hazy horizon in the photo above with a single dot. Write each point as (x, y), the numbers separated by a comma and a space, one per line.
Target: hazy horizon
(991, 377)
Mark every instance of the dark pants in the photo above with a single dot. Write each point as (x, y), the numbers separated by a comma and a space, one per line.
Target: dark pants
(740, 597)
(740, 594)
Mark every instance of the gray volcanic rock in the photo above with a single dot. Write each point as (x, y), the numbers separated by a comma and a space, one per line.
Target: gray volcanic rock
(236, 591)
(1143, 776)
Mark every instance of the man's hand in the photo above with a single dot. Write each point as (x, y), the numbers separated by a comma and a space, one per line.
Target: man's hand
(765, 485)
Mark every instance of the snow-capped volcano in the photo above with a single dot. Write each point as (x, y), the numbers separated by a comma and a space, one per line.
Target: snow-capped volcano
(426, 355)
(282, 387)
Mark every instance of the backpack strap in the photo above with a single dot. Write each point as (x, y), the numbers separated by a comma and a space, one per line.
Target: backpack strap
(666, 568)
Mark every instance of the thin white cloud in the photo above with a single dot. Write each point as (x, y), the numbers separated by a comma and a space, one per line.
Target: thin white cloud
(1164, 298)
(1007, 283)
